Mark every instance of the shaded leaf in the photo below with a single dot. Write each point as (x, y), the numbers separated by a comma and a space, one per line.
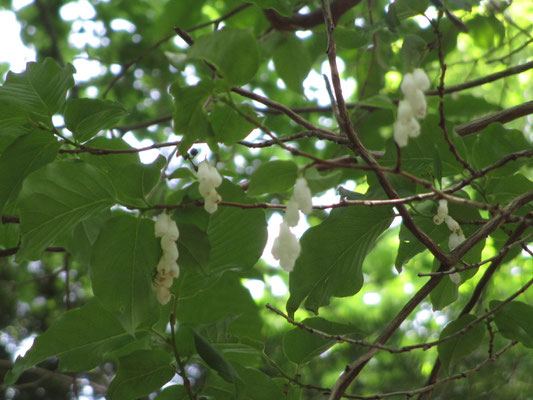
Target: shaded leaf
(515, 321)
(215, 359)
(80, 338)
(228, 125)
(234, 52)
(273, 177)
(86, 117)
(293, 73)
(455, 349)
(40, 89)
(57, 197)
(301, 346)
(140, 374)
(123, 258)
(24, 155)
(332, 256)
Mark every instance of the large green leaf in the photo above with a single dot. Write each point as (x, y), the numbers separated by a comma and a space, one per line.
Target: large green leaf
(494, 143)
(234, 52)
(123, 259)
(332, 256)
(273, 177)
(226, 298)
(174, 392)
(215, 359)
(41, 89)
(189, 116)
(26, 154)
(283, 7)
(515, 321)
(57, 197)
(455, 349)
(301, 346)
(293, 73)
(140, 374)
(80, 338)
(86, 117)
(228, 125)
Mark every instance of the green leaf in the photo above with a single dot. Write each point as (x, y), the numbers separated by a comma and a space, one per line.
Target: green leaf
(215, 359)
(228, 125)
(455, 349)
(273, 177)
(86, 117)
(292, 73)
(140, 374)
(174, 392)
(237, 236)
(301, 346)
(80, 338)
(24, 155)
(194, 248)
(283, 7)
(332, 256)
(124, 256)
(487, 32)
(57, 197)
(133, 182)
(182, 173)
(504, 190)
(189, 117)
(226, 298)
(41, 89)
(234, 52)
(319, 182)
(515, 321)
(494, 143)
(353, 37)
(414, 49)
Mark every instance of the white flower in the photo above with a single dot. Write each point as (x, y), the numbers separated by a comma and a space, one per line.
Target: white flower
(455, 278)
(421, 79)
(408, 84)
(442, 210)
(405, 112)
(162, 293)
(286, 248)
(453, 225)
(456, 238)
(169, 247)
(437, 219)
(302, 195)
(291, 213)
(401, 134)
(417, 101)
(209, 179)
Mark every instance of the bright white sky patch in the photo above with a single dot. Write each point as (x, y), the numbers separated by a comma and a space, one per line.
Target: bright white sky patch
(12, 50)
(278, 287)
(87, 69)
(255, 287)
(24, 346)
(120, 24)
(371, 298)
(148, 156)
(74, 10)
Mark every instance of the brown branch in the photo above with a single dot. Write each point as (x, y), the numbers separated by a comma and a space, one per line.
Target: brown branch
(356, 367)
(103, 152)
(486, 79)
(504, 116)
(13, 250)
(308, 21)
(48, 374)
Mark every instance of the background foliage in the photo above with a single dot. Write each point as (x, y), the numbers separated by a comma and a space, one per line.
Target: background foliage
(105, 130)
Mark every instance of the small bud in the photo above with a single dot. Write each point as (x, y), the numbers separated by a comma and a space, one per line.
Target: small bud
(302, 195)
(421, 79)
(455, 278)
(291, 213)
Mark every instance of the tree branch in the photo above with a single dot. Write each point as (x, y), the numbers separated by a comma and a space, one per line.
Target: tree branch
(504, 116)
(308, 21)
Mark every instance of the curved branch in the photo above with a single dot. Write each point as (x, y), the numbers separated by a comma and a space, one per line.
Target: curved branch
(504, 116)
(307, 21)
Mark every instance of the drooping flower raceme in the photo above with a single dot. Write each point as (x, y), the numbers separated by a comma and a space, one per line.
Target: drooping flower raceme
(209, 179)
(286, 247)
(457, 236)
(167, 268)
(413, 107)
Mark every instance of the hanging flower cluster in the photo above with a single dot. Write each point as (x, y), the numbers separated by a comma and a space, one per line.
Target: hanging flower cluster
(412, 108)
(209, 180)
(286, 247)
(457, 236)
(167, 268)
